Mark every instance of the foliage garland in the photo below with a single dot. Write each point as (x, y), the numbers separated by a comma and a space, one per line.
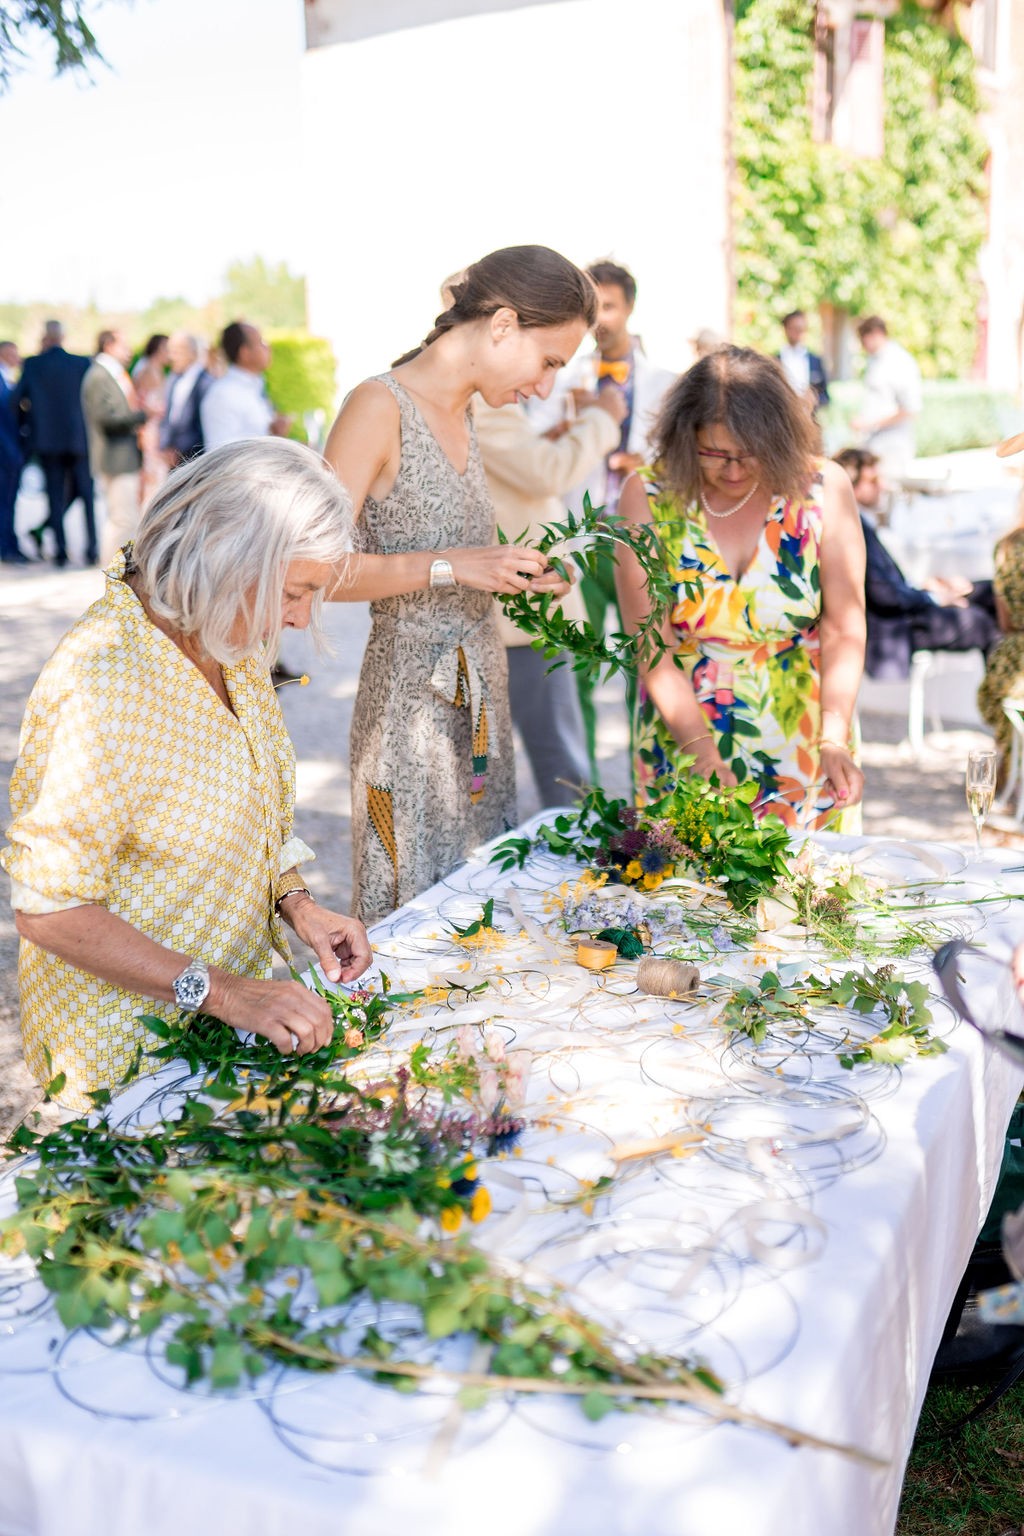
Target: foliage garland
(206, 1226)
(577, 540)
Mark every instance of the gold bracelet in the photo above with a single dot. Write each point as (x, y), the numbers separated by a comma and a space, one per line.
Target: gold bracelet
(704, 736)
(829, 741)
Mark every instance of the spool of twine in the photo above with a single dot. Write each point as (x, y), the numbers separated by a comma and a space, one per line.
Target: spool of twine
(667, 978)
(596, 954)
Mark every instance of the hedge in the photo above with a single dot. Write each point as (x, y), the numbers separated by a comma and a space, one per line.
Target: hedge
(301, 380)
(955, 414)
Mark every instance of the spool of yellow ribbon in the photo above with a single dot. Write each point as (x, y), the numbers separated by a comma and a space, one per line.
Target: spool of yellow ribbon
(595, 954)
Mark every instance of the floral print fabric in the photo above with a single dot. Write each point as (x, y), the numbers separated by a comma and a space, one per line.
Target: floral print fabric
(749, 646)
(1004, 673)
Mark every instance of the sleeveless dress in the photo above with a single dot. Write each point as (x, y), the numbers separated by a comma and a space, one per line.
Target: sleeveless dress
(750, 649)
(433, 772)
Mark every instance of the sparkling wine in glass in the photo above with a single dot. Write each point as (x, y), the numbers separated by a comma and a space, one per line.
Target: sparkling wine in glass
(981, 788)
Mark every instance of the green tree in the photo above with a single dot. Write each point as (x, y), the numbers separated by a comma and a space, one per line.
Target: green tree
(816, 224)
(62, 22)
(267, 295)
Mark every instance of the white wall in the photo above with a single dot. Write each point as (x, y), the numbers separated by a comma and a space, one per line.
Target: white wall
(588, 125)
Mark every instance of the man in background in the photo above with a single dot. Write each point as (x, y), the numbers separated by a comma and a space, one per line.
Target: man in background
(527, 476)
(181, 430)
(944, 615)
(114, 416)
(11, 458)
(617, 362)
(236, 406)
(892, 399)
(49, 397)
(804, 370)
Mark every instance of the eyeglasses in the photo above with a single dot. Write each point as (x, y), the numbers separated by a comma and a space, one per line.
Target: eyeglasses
(718, 457)
(960, 965)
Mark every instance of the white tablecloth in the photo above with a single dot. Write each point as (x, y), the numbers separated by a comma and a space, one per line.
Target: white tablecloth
(95, 1440)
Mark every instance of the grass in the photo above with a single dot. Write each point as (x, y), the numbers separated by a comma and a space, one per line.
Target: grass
(973, 1483)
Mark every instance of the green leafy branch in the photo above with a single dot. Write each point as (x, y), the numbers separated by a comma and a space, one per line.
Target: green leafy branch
(770, 1003)
(540, 615)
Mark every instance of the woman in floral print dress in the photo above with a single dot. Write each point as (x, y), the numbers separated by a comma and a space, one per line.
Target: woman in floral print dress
(765, 642)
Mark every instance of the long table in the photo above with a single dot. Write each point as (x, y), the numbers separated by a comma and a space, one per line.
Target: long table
(808, 1248)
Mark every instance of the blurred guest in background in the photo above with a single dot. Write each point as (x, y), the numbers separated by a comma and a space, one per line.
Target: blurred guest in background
(49, 397)
(237, 405)
(617, 362)
(943, 615)
(11, 457)
(804, 370)
(150, 379)
(115, 415)
(892, 398)
(705, 342)
(527, 474)
(181, 432)
(1004, 675)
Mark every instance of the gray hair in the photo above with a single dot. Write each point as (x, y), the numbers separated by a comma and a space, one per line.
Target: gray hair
(215, 542)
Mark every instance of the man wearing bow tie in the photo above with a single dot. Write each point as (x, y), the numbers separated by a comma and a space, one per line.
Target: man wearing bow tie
(618, 362)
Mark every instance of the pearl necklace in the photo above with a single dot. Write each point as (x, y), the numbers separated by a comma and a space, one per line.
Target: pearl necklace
(729, 510)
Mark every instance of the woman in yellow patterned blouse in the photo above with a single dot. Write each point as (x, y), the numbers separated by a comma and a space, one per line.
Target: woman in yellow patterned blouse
(151, 856)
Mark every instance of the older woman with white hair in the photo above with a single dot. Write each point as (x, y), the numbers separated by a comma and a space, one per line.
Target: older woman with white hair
(151, 856)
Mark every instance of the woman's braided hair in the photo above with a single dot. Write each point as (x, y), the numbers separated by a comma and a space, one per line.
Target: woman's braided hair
(541, 286)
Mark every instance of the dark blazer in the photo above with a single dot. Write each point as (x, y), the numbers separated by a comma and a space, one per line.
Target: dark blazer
(10, 427)
(817, 378)
(892, 606)
(185, 435)
(49, 395)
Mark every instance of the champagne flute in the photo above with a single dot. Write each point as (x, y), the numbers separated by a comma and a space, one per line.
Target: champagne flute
(980, 785)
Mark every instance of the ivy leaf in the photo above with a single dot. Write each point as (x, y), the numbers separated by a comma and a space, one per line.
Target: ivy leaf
(596, 1406)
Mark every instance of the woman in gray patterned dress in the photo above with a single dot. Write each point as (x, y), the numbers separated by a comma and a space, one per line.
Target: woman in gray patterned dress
(432, 766)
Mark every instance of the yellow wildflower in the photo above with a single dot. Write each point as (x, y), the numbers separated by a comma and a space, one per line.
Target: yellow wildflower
(634, 869)
(451, 1218)
(651, 882)
(469, 1172)
(480, 1205)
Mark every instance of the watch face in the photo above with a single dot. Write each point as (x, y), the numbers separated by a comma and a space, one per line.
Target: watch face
(191, 988)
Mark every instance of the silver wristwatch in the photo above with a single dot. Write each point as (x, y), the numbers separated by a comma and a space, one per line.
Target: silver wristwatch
(441, 574)
(192, 987)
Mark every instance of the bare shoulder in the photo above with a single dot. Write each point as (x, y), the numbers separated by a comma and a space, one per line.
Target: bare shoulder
(370, 401)
(837, 492)
(634, 501)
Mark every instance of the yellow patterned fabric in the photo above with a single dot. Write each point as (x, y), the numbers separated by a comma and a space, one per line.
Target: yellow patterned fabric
(137, 790)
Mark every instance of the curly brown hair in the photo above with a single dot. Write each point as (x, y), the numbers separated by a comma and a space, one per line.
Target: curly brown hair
(749, 395)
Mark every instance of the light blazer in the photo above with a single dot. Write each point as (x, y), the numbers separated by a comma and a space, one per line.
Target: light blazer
(528, 476)
(650, 386)
(113, 425)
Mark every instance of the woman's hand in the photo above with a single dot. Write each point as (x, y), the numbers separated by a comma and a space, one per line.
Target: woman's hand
(340, 943)
(709, 761)
(1017, 968)
(841, 775)
(286, 1013)
(502, 568)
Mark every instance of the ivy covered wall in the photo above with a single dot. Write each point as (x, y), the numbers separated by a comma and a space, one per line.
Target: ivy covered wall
(814, 224)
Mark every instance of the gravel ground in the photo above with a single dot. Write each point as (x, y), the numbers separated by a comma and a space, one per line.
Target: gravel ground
(922, 799)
